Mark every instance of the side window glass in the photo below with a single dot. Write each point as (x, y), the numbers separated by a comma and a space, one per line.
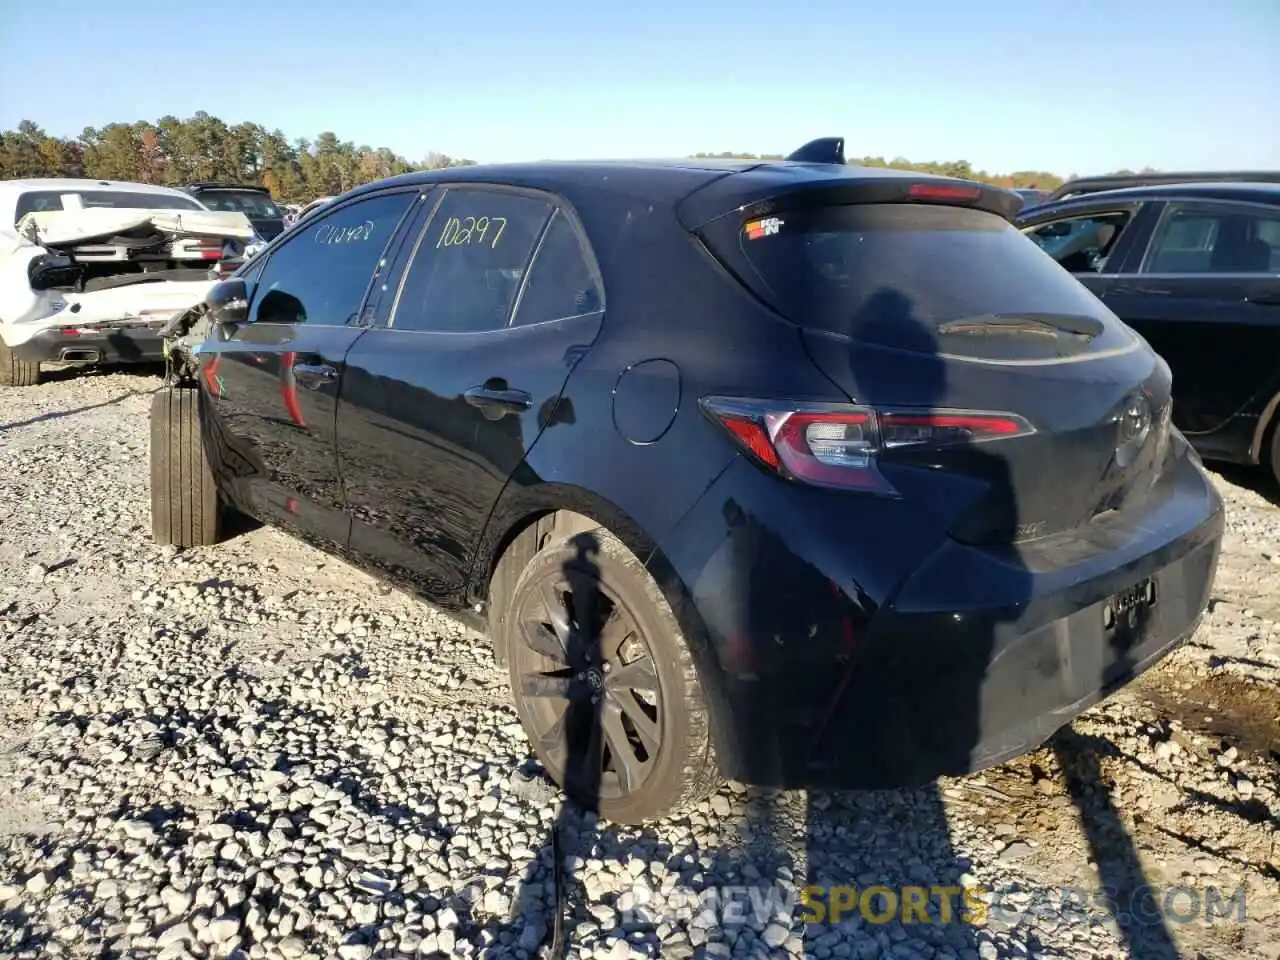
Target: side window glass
(1200, 239)
(470, 260)
(321, 273)
(1269, 231)
(561, 283)
(1080, 244)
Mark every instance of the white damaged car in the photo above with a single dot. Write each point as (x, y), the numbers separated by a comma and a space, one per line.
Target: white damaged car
(91, 270)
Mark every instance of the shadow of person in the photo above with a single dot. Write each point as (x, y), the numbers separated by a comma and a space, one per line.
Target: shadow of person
(908, 707)
(1122, 880)
(569, 703)
(59, 414)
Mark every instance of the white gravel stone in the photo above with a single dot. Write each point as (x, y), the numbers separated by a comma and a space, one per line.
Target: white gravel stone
(38, 882)
(252, 746)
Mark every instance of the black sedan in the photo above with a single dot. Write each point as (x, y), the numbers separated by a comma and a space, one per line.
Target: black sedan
(792, 472)
(1195, 269)
(254, 202)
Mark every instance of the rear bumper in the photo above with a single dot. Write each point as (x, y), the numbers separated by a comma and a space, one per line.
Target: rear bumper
(106, 345)
(824, 677)
(950, 693)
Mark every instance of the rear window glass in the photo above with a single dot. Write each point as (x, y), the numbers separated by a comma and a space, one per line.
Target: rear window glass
(38, 201)
(923, 277)
(249, 202)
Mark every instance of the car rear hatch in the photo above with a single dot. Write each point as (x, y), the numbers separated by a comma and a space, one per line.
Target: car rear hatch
(254, 203)
(987, 385)
(113, 234)
(268, 227)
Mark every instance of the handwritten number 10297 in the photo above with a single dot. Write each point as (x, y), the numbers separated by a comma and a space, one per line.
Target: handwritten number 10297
(469, 231)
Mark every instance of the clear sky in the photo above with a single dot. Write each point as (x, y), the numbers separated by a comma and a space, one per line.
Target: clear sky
(1080, 87)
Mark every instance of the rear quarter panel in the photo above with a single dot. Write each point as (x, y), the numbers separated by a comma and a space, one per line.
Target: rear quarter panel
(666, 299)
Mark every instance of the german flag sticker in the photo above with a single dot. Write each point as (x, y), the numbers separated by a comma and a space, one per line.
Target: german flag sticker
(767, 227)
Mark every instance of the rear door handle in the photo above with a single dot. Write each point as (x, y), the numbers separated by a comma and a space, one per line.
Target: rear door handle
(496, 403)
(314, 375)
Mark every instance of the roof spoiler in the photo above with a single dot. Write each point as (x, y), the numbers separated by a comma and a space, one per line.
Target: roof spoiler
(1121, 180)
(822, 150)
(223, 185)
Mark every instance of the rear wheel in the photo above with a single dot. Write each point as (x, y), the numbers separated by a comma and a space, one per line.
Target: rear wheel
(15, 372)
(184, 498)
(604, 683)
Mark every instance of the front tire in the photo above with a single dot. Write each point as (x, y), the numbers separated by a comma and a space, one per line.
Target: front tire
(16, 372)
(1275, 452)
(185, 509)
(604, 683)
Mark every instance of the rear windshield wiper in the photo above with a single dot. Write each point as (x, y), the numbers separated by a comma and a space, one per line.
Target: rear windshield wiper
(1035, 324)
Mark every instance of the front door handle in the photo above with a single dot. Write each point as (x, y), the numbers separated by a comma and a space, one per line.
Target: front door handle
(495, 403)
(314, 375)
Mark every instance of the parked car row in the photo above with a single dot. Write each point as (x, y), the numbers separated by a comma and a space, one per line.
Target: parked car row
(792, 472)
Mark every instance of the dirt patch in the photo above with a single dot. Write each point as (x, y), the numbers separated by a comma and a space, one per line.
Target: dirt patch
(1243, 712)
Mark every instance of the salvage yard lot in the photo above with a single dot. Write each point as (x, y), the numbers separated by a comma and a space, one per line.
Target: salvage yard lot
(255, 747)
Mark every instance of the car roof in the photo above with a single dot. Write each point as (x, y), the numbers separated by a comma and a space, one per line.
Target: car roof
(1119, 181)
(658, 180)
(73, 184)
(227, 186)
(738, 182)
(1219, 190)
(12, 190)
(1264, 192)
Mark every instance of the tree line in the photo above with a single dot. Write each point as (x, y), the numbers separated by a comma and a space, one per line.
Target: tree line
(203, 147)
(175, 152)
(962, 169)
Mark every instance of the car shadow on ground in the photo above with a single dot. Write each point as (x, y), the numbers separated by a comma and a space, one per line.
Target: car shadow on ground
(1256, 479)
(60, 414)
(834, 873)
(71, 372)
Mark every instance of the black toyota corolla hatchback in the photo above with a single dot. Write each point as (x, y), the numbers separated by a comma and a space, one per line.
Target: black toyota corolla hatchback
(792, 472)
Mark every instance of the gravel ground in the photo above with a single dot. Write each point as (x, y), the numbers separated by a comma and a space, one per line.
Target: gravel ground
(254, 750)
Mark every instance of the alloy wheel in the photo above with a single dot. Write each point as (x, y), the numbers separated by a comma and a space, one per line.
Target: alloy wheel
(590, 686)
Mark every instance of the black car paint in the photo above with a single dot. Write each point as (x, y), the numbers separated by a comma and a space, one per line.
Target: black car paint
(1084, 185)
(268, 228)
(1220, 335)
(831, 631)
(284, 426)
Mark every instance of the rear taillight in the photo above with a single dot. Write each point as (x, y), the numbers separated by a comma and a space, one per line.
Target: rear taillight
(837, 445)
(208, 248)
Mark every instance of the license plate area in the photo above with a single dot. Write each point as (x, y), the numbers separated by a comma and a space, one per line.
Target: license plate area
(1124, 607)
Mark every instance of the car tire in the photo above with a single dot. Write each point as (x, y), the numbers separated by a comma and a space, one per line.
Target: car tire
(1275, 452)
(643, 643)
(185, 506)
(16, 372)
